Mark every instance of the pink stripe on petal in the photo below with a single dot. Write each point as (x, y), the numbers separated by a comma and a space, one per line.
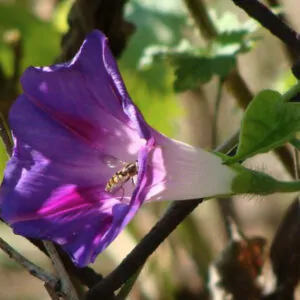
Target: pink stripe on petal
(70, 197)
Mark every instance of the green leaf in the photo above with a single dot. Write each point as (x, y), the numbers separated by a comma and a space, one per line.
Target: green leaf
(222, 65)
(229, 22)
(268, 123)
(194, 65)
(191, 66)
(190, 70)
(234, 37)
(234, 42)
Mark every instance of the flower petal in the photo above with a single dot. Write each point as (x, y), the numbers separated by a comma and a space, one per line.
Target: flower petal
(83, 221)
(36, 133)
(73, 127)
(85, 87)
(80, 87)
(57, 192)
(182, 172)
(39, 200)
(42, 203)
(43, 130)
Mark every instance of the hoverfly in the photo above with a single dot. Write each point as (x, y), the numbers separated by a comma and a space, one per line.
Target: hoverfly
(121, 177)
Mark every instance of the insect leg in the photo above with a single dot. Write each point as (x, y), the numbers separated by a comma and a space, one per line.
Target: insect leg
(132, 181)
(123, 192)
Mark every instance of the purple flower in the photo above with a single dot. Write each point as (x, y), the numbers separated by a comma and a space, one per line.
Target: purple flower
(74, 127)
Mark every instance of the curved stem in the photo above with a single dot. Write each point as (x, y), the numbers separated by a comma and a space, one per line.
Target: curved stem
(288, 186)
(292, 92)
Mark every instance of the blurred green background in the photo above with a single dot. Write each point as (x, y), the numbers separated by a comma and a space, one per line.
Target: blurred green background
(178, 269)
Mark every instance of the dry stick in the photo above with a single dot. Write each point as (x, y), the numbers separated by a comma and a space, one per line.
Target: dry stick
(174, 215)
(51, 292)
(33, 269)
(66, 283)
(291, 52)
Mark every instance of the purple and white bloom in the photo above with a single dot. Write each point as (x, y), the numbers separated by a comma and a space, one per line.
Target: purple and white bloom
(74, 127)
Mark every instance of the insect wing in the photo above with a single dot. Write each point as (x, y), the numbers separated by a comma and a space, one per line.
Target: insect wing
(111, 161)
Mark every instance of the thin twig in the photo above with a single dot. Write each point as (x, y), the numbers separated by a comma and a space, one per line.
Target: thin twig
(32, 268)
(291, 52)
(261, 13)
(66, 284)
(216, 114)
(86, 275)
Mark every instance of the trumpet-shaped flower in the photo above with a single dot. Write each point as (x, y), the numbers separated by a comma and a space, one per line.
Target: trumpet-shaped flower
(76, 130)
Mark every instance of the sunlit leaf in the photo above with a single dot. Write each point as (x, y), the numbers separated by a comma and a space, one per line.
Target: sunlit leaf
(194, 65)
(229, 22)
(191, 68)
(268, 122)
